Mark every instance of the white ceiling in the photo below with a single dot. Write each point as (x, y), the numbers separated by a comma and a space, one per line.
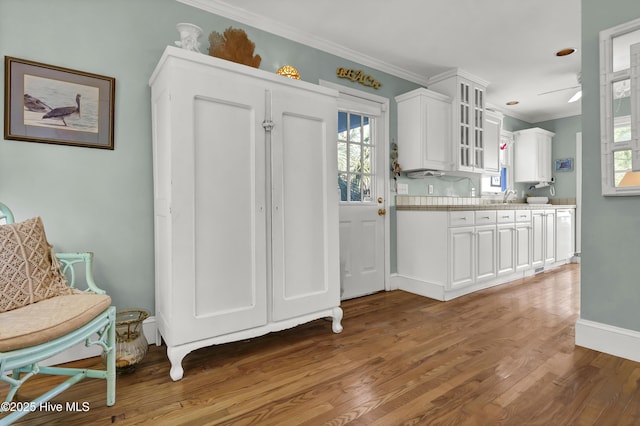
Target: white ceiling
(509, 43)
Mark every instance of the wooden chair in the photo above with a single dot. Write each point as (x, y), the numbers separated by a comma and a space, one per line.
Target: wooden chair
(38, 331)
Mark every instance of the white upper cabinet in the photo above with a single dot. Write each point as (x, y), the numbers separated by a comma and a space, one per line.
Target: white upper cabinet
(424, 130)
(532, 155)
(492, 136)
(469, 120)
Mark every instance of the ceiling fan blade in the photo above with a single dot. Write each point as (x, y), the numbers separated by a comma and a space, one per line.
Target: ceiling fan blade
(559, 90)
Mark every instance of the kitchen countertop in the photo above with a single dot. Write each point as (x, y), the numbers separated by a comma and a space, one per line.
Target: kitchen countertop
(494, 206)
(432, 203)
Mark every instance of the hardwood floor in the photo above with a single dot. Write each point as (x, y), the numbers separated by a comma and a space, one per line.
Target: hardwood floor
(503, 356)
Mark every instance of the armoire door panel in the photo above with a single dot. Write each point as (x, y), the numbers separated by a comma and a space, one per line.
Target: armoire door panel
(302, 242)
(226, 278)
(224, 219)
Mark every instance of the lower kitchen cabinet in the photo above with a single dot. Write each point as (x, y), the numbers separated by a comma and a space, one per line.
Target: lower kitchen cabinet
(446, 254)
(462, 256)
(506, 240)
(485, 254)
(523, 243)
(472, 248)
(543, 238)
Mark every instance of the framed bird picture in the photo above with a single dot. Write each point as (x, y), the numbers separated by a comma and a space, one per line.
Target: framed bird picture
(50, 104)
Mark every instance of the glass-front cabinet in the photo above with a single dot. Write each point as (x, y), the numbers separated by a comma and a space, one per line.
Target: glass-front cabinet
(469, 121)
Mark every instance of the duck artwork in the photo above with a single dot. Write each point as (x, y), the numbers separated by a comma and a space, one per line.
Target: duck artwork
(64, 112)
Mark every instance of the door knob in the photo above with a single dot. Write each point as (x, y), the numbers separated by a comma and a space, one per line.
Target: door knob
(382, 212)
(379, 200)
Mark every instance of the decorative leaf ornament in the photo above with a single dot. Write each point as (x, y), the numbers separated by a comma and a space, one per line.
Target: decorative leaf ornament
(235, 46)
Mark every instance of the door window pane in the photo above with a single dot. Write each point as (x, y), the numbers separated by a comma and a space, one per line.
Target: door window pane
(342, 157)
(354, 188)
(343, 186)
(366, 188)
(356, 149)
(342, 126)
(366, 131)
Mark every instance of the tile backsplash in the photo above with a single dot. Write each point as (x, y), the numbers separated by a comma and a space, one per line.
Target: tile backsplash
(413, 200)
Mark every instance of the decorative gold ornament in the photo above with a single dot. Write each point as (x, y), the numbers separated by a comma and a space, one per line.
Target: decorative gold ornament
(359, 76)
(289, 71)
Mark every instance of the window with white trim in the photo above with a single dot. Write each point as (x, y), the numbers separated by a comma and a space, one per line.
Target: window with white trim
(356, 157)
(620, 109)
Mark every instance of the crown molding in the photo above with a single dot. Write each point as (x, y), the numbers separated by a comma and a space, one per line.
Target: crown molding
(246, 17)
(457, 72)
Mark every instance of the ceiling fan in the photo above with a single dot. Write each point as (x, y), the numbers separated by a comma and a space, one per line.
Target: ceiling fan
(578, 93)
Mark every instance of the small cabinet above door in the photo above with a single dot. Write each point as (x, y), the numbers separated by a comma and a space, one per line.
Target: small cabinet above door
(424, 130)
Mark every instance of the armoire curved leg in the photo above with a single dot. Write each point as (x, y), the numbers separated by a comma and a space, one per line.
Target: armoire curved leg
(337, 318)
(176, 355)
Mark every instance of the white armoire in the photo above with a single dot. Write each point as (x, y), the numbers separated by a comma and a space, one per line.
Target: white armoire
(246, 202)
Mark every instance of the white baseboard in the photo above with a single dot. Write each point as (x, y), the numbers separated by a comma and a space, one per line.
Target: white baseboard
(608, 339)
(421, 288)
(80, 351)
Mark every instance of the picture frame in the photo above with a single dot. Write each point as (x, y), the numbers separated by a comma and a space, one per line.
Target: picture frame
(564, 165)
(495, 181)
(51, 104)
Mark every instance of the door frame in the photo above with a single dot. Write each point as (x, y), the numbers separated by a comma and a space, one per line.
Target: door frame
(384, 107)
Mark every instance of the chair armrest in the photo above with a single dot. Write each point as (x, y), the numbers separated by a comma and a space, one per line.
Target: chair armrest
(68, 262)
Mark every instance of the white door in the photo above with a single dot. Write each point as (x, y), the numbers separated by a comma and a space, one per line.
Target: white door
(362, 211)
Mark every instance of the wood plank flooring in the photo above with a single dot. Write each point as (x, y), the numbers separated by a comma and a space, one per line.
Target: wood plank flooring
(503, 356)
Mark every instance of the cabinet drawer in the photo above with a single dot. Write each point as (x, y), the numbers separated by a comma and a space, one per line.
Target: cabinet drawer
(523, 215)
(485, 217)
(506, 216)
(461, 218)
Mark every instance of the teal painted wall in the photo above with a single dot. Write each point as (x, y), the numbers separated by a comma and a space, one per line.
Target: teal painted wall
(610, 225)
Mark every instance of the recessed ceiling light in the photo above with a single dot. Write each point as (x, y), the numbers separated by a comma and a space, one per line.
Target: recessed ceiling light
(510, 103)
(565, 52)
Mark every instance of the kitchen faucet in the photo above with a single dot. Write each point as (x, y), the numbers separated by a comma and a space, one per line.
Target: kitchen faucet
(507, 195)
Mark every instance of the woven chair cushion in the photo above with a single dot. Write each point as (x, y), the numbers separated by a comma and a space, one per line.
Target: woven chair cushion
(29, 271)
(48, 319)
